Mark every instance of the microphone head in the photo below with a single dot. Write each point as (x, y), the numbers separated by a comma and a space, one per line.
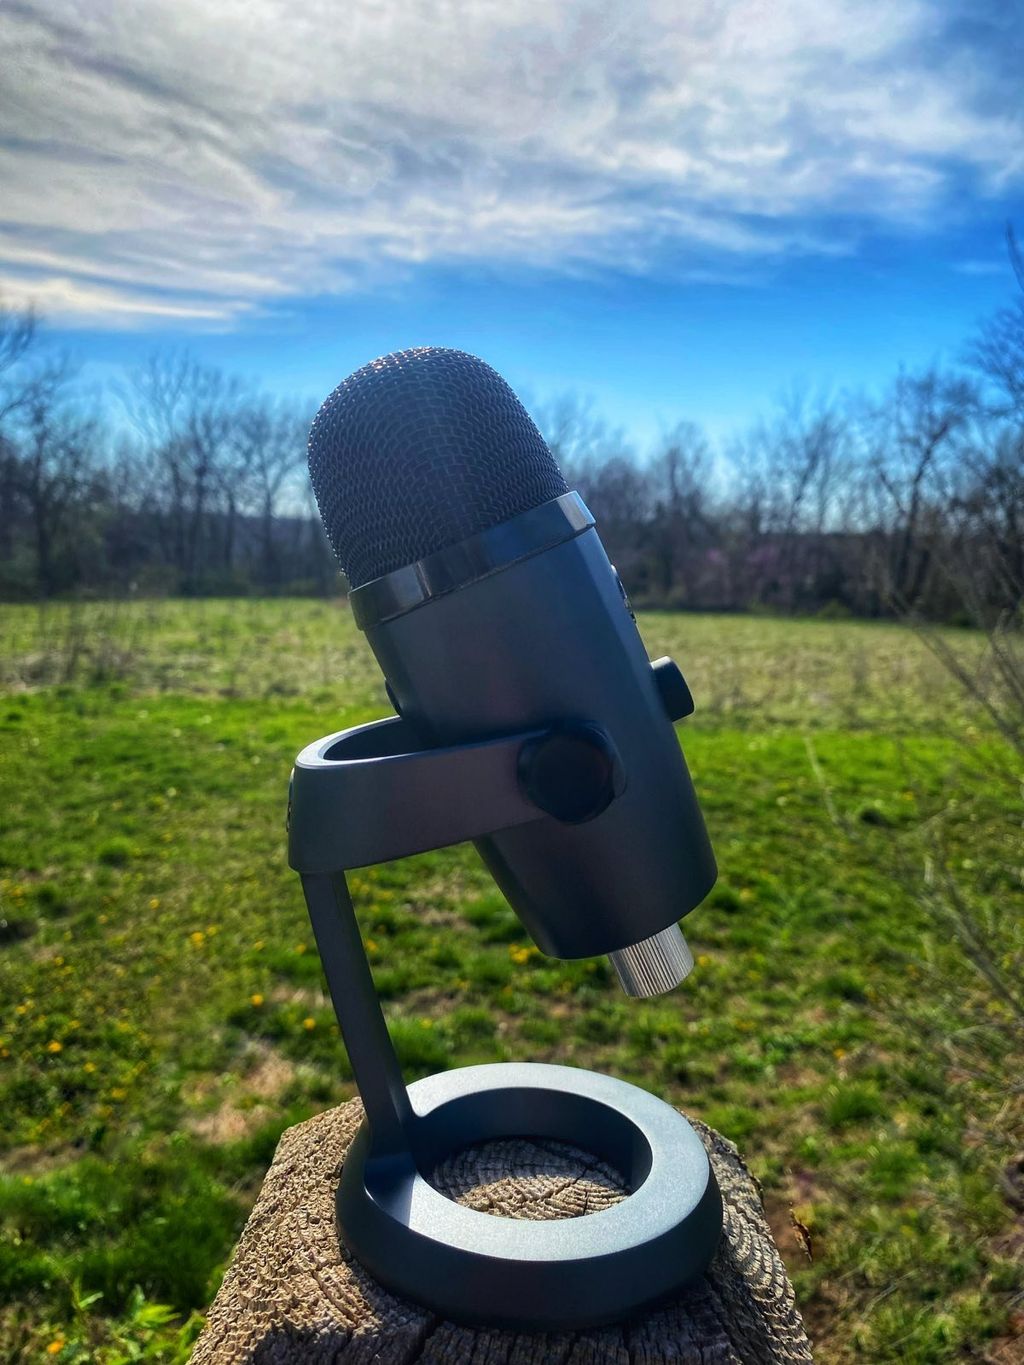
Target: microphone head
(419, 450)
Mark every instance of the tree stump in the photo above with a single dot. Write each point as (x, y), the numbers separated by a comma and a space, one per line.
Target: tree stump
(293, 1295)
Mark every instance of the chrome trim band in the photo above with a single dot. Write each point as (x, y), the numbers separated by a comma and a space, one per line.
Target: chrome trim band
(540, 528)
(654, 965)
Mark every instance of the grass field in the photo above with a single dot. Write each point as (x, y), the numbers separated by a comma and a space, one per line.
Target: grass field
(164, 1017)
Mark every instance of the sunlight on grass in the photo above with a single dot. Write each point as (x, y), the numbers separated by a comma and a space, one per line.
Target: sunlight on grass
(167, 1016)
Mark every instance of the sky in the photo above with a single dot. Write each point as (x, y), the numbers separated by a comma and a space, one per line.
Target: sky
(681, 209)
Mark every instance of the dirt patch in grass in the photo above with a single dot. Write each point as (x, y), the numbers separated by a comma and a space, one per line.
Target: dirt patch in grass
(271, 1074)
(35, 1161)
(248, 1107)
(229, 1124)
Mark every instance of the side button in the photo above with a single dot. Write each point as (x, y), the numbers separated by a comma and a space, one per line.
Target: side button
(675, 695)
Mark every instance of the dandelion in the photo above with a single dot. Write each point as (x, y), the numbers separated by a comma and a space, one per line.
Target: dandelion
(54, 1046)
(426, 1023)
(703, 960)
(54, 1347)
(258, 945)
(839, 1053)
(118, 1093)
(371, 945)
(256, 1000)
(300, 947)
(196, 938)
(154, 902)
(309, 1024)
(90, 1067)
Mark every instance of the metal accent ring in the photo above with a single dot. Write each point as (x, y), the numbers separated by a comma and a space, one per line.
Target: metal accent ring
(478, 556)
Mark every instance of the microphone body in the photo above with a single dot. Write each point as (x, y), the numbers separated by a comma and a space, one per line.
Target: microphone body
(549, 639)
(491, 606)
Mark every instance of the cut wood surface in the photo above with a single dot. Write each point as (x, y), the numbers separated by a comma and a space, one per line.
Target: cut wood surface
(293, 1295)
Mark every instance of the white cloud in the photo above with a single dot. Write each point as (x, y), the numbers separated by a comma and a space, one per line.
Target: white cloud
(172, 158)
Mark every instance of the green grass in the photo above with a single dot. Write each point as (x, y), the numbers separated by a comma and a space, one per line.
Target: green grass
(165, 1016)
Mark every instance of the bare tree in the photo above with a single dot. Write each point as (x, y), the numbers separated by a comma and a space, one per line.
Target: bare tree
(57, 470)
(186, 413)
(788, 475)
(17, 333)
(680, 475)
(576, 436)
(997, 353)
(916, 436)
(272, 439)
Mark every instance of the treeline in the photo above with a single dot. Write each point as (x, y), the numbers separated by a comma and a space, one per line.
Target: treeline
(185, 480)
(180, 480)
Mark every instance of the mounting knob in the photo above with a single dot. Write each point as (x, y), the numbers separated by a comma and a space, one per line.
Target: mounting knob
(675, 695)
(573, 772)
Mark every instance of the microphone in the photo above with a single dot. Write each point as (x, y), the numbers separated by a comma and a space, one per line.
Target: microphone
(491, 606)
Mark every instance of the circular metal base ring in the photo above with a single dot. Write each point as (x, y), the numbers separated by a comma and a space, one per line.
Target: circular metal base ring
(553, 1275)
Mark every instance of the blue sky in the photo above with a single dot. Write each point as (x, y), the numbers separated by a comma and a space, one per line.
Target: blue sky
(680, 210)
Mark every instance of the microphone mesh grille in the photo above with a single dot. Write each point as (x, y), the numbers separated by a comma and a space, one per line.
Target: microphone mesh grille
(418, 450)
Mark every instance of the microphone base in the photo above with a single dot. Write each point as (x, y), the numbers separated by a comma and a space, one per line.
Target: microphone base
(557, 1275)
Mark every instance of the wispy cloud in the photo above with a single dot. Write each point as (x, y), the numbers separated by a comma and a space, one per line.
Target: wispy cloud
(172, 158)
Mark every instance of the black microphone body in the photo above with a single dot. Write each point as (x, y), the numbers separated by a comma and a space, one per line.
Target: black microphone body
(550, 640)
(498, 623)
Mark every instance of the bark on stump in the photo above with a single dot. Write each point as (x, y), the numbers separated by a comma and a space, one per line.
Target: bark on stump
(293, 1295)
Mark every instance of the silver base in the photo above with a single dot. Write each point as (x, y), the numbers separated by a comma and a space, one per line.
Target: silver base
(654, 965)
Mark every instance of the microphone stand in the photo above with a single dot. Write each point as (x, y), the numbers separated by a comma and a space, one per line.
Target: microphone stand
(372, 794)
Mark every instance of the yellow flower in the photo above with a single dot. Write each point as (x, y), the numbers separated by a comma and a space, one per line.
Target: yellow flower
(196, 937)
(258, 944)
(256, 1000)
(89, 1066)
(371, 946)
(118, 1093)
(154, 902)
(300, 947)
(54, 1347)
(703, 960)
(309, 1023)
(839, 1053)
(54, 1046)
